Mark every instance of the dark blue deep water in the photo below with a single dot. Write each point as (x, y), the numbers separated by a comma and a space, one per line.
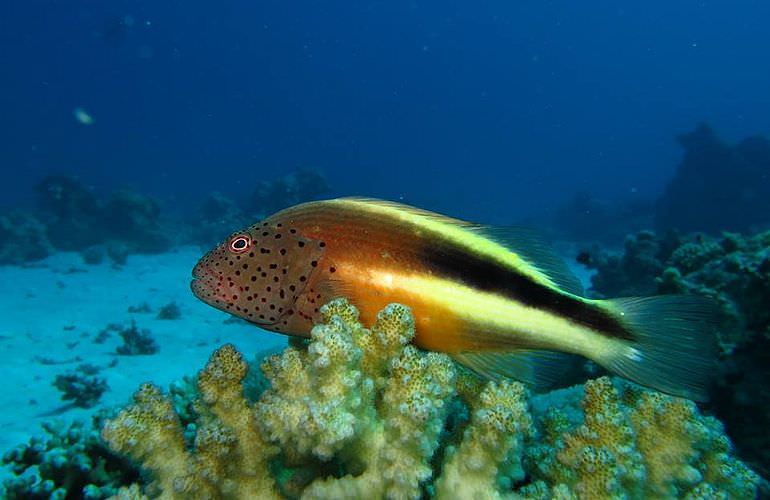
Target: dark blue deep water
(136, 135)
(482, 108)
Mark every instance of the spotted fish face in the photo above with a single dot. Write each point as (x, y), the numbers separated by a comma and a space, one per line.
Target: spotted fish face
(259, 274)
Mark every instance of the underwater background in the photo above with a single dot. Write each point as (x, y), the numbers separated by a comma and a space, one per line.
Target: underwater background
(137, 135)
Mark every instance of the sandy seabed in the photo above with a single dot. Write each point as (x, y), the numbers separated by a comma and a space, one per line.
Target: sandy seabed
(51, 312)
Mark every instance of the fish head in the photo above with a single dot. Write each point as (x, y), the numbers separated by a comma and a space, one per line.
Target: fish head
(258, 274)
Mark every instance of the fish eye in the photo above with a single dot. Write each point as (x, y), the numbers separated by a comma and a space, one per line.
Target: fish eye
(240, 243)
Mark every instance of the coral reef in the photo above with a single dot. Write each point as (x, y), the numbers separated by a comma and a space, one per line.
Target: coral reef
(634, 443)
(488, 459)
(229, 456)
(134, 219)
(23, 238)
(69, 461)
(271, 196)
(70, 210)
(734, 271)
(76, 219)
(70, 216)
(82, 386)
(255, 383)
(717, 186)
(359, 413)
(136, 341)
(632, 273)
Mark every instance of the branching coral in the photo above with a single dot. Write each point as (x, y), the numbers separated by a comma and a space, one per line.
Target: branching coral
(360, 413)
(357, 413)
(69, 461)
(493, 439)
(229, 456)
(637, 443)
(734, 271)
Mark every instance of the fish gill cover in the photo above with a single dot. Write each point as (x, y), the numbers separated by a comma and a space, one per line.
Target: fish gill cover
(138, 135)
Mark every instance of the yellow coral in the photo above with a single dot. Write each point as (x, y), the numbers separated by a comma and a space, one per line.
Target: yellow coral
(397, 432)
(499, 422)
(360, 413)
(641, 444)
(230, 456)
(149, 431)
(314, 398)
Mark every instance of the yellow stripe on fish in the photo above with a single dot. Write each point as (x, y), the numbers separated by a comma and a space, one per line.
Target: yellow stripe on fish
(454, 230)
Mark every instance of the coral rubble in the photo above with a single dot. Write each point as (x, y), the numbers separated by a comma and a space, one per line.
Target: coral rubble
(136, 341)
(82, 386)
(359, 413)
(170, 311)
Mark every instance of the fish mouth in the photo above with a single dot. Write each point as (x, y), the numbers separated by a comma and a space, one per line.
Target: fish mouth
(200, 284)
(197, 271)
(196, 286)
(196, 282)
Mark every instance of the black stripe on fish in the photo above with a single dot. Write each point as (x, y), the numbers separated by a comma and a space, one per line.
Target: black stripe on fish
(447, 260)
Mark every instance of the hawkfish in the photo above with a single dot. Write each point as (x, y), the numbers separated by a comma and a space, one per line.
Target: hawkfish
(497, 300)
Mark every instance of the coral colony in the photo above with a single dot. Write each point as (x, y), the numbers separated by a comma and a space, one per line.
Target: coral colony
(360, 413)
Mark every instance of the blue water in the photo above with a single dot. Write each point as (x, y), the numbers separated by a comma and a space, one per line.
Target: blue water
(491, 110)
(494, 107)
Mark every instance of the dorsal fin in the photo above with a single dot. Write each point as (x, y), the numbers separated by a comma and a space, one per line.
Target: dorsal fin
(531, 246)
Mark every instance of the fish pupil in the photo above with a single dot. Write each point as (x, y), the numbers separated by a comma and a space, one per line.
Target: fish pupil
(239, 244)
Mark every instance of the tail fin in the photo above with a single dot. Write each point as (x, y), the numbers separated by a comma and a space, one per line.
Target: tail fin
(674, 345)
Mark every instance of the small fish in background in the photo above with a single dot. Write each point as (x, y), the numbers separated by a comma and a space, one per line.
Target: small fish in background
(497, 300)
(82, 116)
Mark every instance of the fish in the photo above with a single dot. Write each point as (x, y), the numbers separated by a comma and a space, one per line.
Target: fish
(498, 300)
